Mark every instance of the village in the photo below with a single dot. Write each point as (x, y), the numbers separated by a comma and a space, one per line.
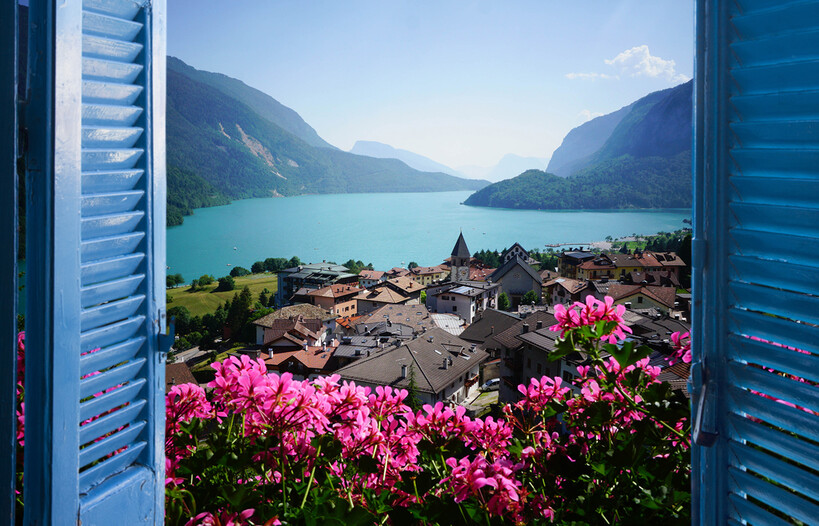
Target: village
(459, 331)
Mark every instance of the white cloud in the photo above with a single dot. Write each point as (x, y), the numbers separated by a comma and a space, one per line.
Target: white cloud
(590, 76)
(639, 62)
(636, 62)
(588, 115)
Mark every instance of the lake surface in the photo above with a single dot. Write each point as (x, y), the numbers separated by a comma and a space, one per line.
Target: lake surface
(386, 230)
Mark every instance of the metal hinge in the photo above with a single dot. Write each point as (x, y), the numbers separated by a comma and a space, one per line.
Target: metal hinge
(702, 433)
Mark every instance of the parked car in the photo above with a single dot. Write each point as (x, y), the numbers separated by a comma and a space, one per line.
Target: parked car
(491, 385)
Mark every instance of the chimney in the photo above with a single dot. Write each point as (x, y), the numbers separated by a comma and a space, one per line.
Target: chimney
(539, 324)
(403, 371)
(628, 305)
(525, 328)
(446, 363)
(492, 330)
(431, 339)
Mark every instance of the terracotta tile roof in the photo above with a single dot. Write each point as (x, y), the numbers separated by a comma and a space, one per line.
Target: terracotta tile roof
(573, 286)
(176, 374)
(437, 269)
(382, 294)
(480, 273)
(548, 275)
(600, 262)
(315, 358)
(339, 290)
(406, 284)
(397, 272)
(305, 310)
(663, 295)
(668, 259)
(348, 322)
(371, 274)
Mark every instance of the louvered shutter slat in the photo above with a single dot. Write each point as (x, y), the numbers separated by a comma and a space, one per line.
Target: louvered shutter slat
(769, 328)
(110, 224)
(780, 134)
(754, 514)
(109, 26)
(773, 274)
(110, 290)
(776, 106)
(799, 46)
(111, 180)
(110, 378)
(771, 19)
(775, 218)
(788, 418)
(110, 444)
(103, 159)
(124, 9)
(110, 422)
(802, 365)
(110, 356)
(109, 93)
(110, 334)
(113, 399)
(778, 190)
(109, 114)
(98, 473)
(109, 49)
(774, 301)
(772, 495)
(110, 136)
(108, 313)
(111, 268)
(744, 429)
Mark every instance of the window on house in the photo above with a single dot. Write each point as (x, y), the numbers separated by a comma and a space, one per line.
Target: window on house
(567, 376)
(538, 369)
(454, 308)
(639, 299)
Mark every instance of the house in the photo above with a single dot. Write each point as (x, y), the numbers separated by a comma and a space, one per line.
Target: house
(508, 347)
(644, 296)
(636, 262)
(306, 362)
(429, 275)
(339, 299)
(488, 323)
(479, 272)
(566, 290)
(416, 316)
(670, 261)
(443, 367)
(568, 262)
(315, 318)
(661, 278)
(377, 297)
(397, 272)
(516, 277)
(178, 373)
(352, 348)
(516, 251)
(302, 311)
(386, 329)
(286, 333)
(299, 281)
(464, 299)
(370, 278)
(408, 287)
(600, 267)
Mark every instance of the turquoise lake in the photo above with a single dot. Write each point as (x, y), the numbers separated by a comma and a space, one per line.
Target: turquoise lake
(386, 230)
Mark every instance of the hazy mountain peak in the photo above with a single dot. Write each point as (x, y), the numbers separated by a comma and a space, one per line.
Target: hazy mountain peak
(413, 160)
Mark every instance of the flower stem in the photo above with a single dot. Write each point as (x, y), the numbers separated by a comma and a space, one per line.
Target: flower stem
(312, 475)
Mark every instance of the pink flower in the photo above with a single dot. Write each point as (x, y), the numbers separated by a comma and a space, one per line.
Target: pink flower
(682, 348)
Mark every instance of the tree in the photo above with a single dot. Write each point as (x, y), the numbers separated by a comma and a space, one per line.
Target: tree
(530, 298)
(226, 283)
(173, 280)
(423, 297)
(412, 264)
(205, 279)
(257, 267)
(239, 271)
(294, 262)
(239, 313)
(503, 302)
(276, 264)
(182, 318)
(194, 285)
(264, 297)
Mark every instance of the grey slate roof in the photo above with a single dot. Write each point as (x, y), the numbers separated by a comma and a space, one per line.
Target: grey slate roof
(426, 357)
(512, 263)
(416, 316)
(508, 339)
(491, 322)
(460, 250)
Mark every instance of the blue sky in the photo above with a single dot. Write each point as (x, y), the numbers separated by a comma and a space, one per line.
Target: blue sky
(462, 82)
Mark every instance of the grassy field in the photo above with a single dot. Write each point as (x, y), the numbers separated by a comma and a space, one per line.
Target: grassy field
(206, 300)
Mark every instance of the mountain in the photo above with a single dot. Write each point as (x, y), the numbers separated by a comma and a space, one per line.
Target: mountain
(221, 148)
(644, 163)
(511, 165)
(413, 160)
(262, 103)
(580, 143)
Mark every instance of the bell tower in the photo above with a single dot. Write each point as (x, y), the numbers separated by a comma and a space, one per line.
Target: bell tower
(460, 260)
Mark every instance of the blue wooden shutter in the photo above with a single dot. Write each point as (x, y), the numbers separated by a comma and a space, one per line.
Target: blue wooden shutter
(96, 196)
(756, 257)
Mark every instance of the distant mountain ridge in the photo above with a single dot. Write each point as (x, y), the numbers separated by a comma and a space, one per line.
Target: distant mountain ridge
(226, 140)
(413, 160)
(645, 162)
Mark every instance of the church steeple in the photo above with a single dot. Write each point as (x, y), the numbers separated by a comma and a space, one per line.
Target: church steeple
(461, 250)
(460, 260)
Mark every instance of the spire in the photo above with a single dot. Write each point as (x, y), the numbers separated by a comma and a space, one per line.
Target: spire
(460, 250)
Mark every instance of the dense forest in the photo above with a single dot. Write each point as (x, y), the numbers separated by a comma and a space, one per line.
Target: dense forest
(625, 182)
